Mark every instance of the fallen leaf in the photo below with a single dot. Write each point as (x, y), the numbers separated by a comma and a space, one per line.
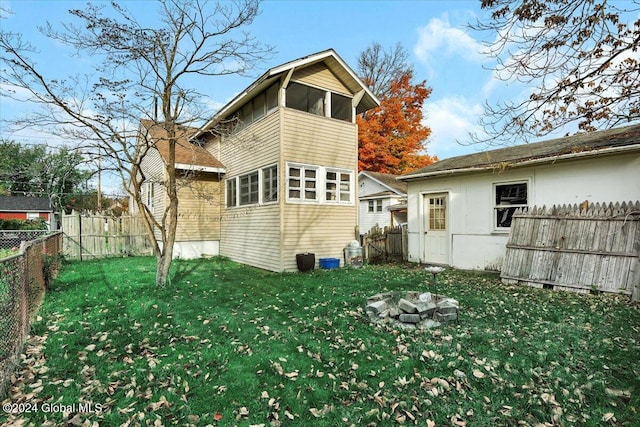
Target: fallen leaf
(609, 417)
(478, 374)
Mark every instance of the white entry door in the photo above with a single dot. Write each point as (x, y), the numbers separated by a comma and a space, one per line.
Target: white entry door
(436, 234)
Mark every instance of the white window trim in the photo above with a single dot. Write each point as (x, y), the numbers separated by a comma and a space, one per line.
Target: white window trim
(495, 207)
(338, 173)
(262, 188)
(321, 184)
(303, 168)
(149, 195)
(261, 201)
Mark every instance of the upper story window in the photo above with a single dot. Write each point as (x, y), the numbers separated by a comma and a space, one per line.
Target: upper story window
(305, 98)
(508, 198)
(375, 205)
(341, 107)
(259, 106)
(318, 101)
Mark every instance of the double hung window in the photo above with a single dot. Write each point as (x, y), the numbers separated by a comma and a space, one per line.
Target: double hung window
(508, 198)
(310, 183)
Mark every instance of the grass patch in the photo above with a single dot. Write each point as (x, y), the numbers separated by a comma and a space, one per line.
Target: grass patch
(228, 344)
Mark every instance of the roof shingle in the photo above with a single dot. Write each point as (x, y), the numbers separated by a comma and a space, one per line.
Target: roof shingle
(187, 153)
(25, 204)
(580, 143)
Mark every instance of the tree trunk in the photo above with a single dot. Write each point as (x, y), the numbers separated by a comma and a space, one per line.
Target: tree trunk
(162, 269)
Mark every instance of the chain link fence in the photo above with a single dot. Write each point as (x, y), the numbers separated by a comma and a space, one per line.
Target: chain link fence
(24, 277)
(10, 240)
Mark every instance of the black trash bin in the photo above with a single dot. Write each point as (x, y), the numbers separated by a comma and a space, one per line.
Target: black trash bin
(306, 262)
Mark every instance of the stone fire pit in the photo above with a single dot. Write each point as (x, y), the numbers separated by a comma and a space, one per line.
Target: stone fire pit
(412, 309)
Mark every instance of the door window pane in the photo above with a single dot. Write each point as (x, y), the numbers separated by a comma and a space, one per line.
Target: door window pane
(437, 214)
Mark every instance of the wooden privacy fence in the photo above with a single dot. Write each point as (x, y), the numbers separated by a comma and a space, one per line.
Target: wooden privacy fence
(564, 247)
(383, 244)
(99, 236)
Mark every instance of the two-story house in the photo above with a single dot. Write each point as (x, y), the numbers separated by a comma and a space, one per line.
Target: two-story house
(287, 178)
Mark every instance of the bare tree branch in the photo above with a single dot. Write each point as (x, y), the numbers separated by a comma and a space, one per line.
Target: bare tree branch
(135, 65)
(579, 57)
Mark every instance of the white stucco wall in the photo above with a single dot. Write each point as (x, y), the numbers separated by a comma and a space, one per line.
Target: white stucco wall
(474, 243)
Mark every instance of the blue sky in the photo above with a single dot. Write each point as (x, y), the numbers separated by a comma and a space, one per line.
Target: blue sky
(442, 49)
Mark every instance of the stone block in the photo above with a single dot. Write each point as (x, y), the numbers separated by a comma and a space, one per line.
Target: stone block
(446, 317)
(449, 301)
(425, 297)
(426, 309)
(380, 297)
(447, 308)
(407, 306)
(377, 306)
(410, 318)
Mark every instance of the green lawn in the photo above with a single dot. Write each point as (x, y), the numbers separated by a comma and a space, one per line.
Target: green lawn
(226, 344)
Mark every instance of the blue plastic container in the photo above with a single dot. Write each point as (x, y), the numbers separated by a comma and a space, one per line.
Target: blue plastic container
(329, 263)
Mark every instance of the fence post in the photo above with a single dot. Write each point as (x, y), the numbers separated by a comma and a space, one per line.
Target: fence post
(635, 295)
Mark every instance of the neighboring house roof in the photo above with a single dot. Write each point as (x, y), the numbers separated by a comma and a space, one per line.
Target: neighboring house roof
(387, 180)
(576, 146)
(380, 195)
(25, 204)
(189, 156)
(366, 99)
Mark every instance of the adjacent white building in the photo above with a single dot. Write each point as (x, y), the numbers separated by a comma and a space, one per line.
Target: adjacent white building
(382, 200)
(459, 209)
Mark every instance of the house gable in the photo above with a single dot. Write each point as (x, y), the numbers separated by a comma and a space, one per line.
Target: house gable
(325, 69)
(385, 181)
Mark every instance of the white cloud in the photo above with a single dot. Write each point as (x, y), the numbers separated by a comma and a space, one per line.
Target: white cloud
(451, 119)
(438, 38)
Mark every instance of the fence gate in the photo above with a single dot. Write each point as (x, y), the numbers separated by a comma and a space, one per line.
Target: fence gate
(99, 236)
(567, 248)
(384, 244)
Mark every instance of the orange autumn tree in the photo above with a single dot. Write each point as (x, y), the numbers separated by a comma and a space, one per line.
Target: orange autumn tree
(391, 137)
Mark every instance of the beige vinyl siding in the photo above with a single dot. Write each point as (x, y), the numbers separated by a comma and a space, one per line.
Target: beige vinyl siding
(317, 140)
(319, 75)
(251, 148)
(199, 208)
(318, 228)
(251, 235)
(321, 229)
